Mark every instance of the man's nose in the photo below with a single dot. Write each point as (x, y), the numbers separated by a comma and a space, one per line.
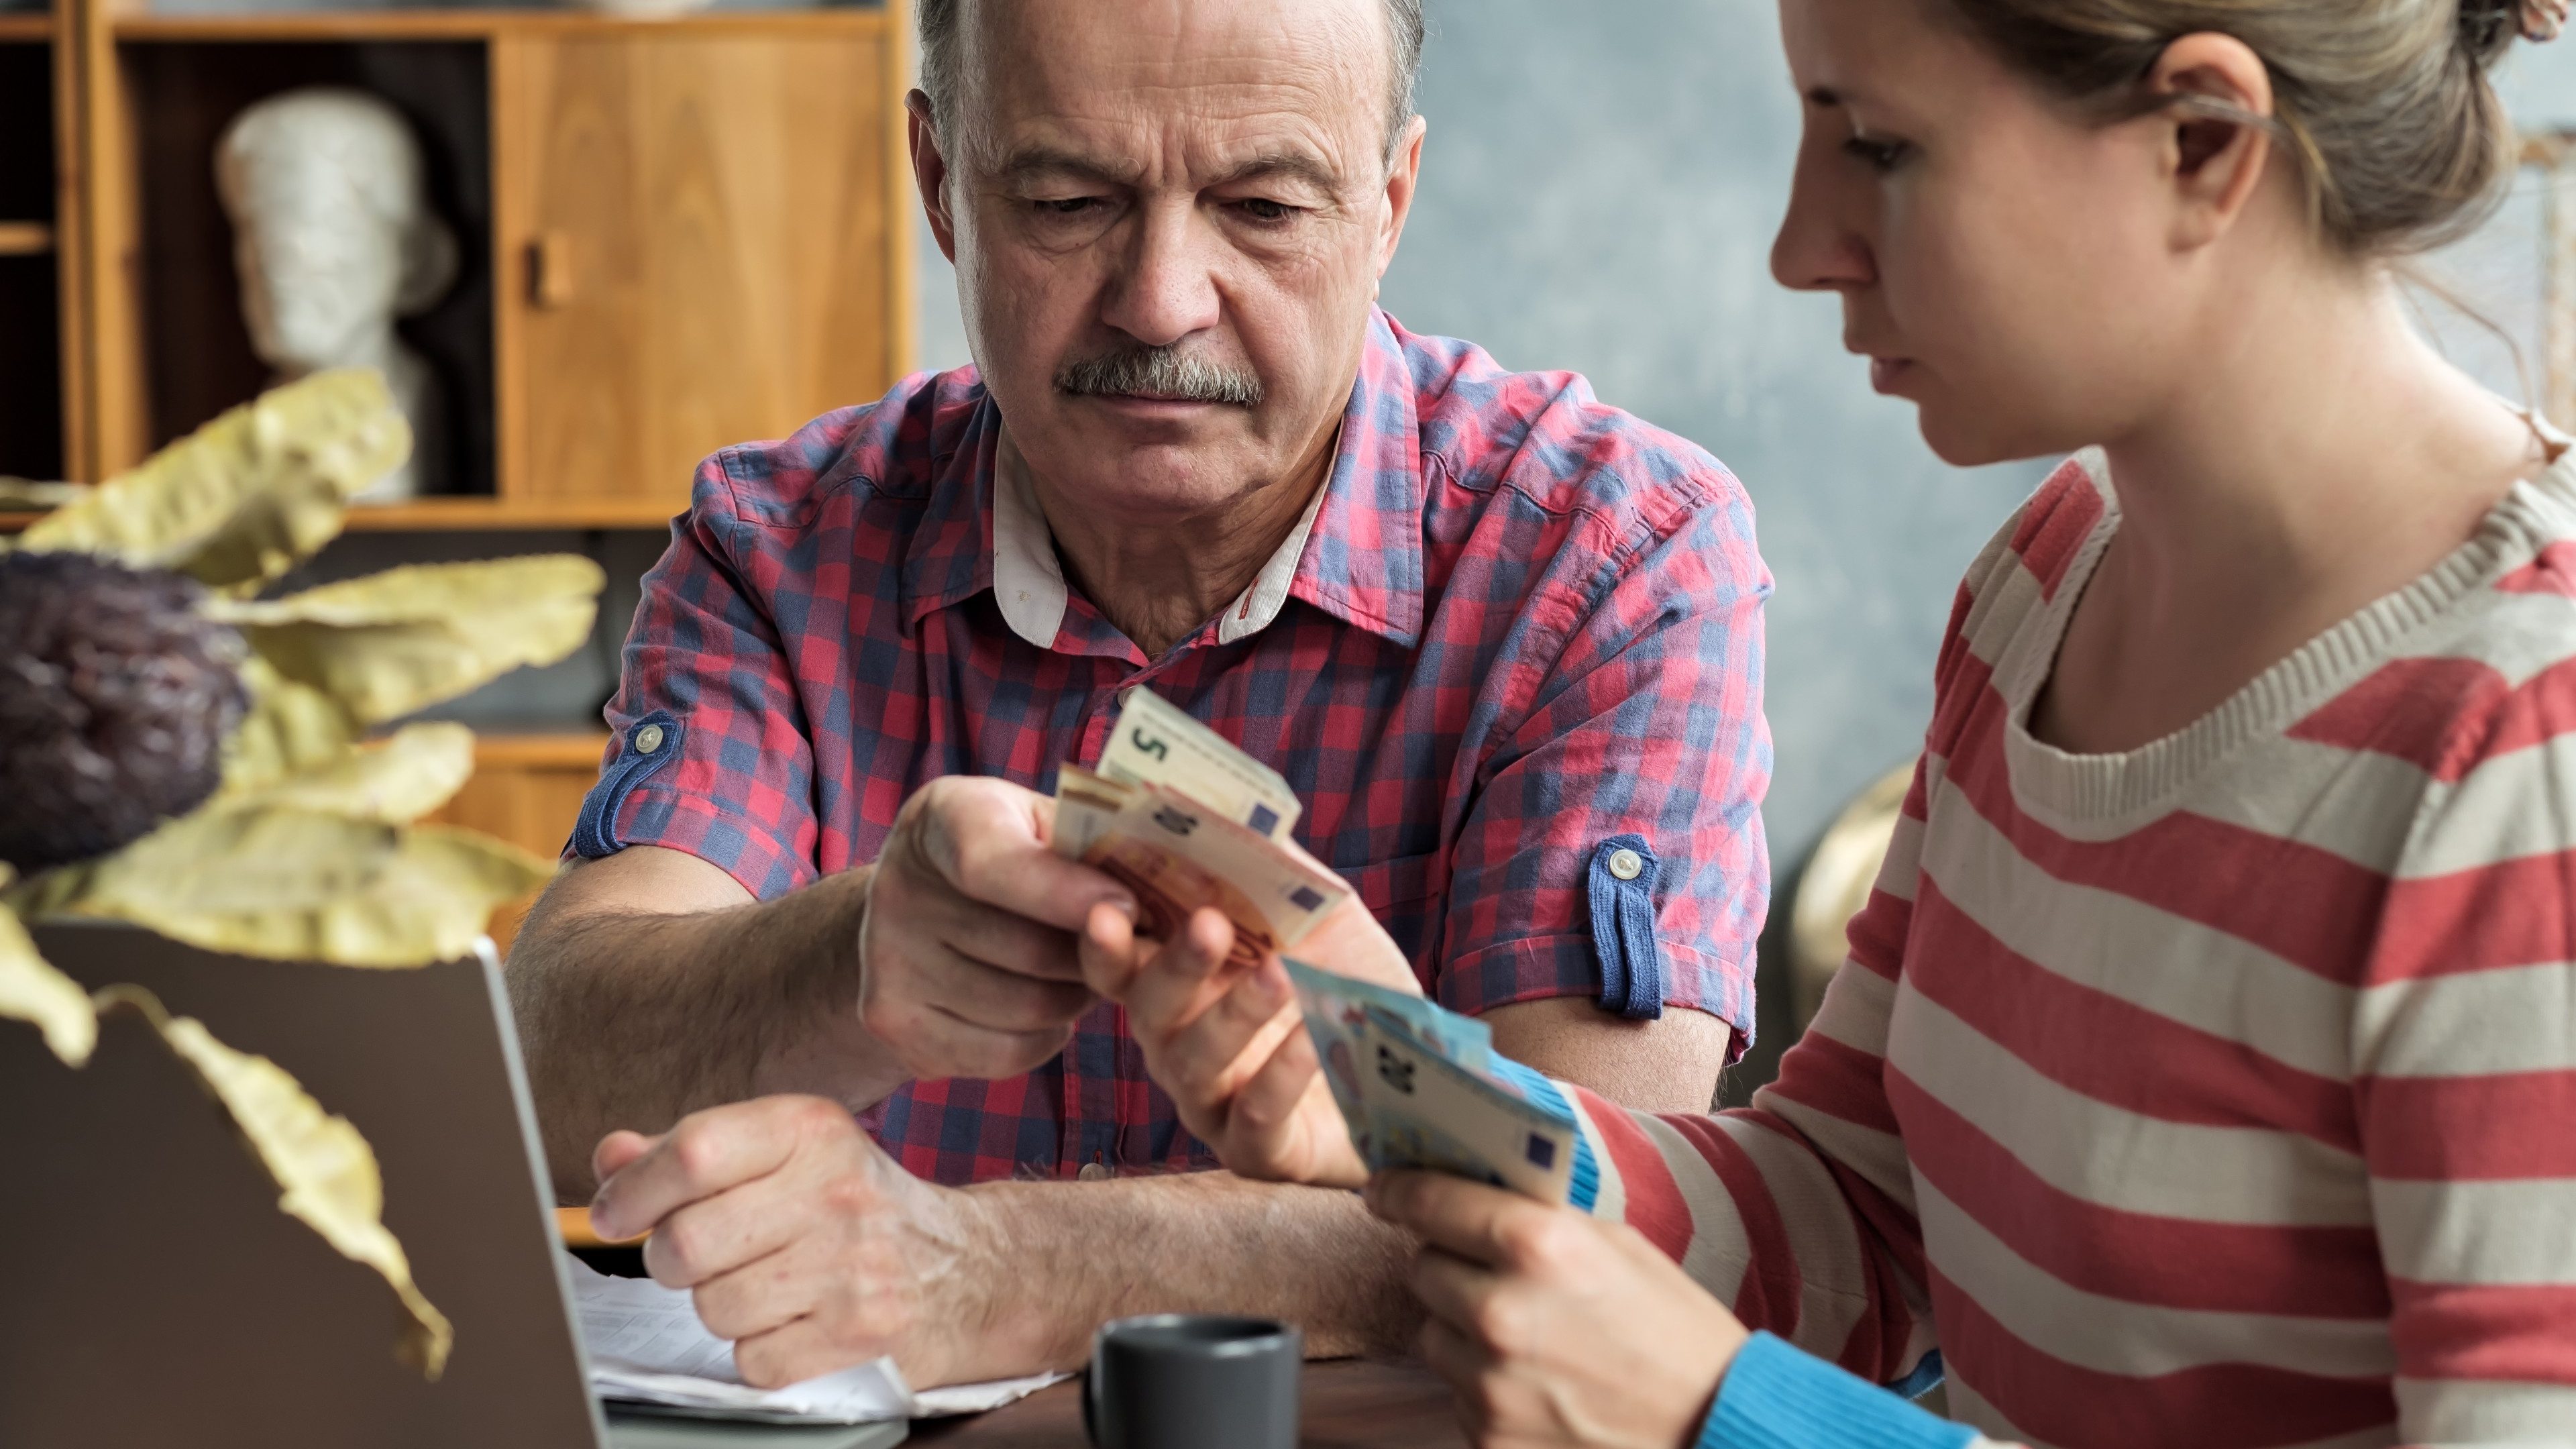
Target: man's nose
(1166, 288)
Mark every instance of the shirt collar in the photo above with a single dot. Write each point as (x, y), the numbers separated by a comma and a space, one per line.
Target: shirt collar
(1355, 554)
(1363, 564)
(1028, 578)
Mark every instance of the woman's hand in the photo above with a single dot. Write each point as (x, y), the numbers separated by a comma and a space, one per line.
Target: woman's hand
(1555, 1328)
(1228, 1045)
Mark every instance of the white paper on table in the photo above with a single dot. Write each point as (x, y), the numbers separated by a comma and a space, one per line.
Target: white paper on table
(646, 1346)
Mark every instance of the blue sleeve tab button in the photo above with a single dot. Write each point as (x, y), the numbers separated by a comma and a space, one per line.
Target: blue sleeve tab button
(651, 743)
(1622, 890)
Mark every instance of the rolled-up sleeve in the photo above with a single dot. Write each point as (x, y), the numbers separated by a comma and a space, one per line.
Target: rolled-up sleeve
(709, 753)
(1614, 849)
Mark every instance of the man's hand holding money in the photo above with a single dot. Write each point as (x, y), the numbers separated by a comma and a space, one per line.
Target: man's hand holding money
(1227, 1042)
(966, 944)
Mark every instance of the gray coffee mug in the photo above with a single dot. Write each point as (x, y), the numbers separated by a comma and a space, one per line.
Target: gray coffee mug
(1192, 1381)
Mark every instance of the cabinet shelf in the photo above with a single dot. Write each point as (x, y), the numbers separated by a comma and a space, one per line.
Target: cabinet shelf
(482, 515)
(26, 29)
(345, 25)
(26, 239)
(568, 749)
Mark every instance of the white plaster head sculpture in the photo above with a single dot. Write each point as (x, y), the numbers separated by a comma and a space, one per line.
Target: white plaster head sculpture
(334, 239)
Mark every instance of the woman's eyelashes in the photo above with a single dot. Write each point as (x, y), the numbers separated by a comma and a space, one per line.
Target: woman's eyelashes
(1879, 153)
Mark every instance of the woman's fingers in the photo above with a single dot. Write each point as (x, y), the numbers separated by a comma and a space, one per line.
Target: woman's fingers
(1481, 1224)
(1453, 1356)
(1456, 1292)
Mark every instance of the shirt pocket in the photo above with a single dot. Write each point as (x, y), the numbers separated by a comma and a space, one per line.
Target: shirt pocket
(1401, 893)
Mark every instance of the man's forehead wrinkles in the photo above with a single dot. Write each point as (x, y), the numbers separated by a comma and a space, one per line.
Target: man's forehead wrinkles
(1149, 145)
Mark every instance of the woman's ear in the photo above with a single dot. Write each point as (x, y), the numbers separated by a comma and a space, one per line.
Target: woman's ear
(2217, 115)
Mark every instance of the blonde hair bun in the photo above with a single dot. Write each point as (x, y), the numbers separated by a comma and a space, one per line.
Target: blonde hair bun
(2387, 104)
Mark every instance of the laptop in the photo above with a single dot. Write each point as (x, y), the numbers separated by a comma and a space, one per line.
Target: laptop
(152, 1294)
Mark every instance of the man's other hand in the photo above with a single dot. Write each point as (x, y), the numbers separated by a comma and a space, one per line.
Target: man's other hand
(801, 1241)
(966, 946)
(1227, 1043)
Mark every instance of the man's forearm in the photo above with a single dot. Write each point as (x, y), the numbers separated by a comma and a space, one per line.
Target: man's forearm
(631, 1020)
(1077, 1254)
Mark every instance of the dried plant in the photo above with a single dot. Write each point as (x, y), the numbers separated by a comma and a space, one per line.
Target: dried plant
(185, 756)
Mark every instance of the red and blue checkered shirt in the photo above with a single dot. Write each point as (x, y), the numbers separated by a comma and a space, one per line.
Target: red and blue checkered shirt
(1524, 637)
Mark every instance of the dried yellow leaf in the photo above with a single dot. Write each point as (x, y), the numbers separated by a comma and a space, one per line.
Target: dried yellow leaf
(290, 728)
(417, 770)
(245, 497)
(301, 885)
(325, 1172)
(404, 639)
(32, 991)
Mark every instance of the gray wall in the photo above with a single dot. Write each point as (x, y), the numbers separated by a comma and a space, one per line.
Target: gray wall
(1600, 187)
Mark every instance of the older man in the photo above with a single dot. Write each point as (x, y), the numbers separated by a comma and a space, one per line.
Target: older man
(1504, 641)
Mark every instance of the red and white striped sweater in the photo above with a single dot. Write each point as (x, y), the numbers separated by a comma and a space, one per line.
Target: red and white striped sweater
(2222, 1093)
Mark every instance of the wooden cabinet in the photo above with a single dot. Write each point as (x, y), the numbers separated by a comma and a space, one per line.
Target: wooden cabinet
(690, 231)
(680, 234)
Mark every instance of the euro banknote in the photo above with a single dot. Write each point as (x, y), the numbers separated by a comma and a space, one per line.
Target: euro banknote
(1186, 821)
(1156, 742)
(1417, 1089)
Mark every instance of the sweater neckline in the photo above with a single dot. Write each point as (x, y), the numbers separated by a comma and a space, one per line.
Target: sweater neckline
(2113, 793)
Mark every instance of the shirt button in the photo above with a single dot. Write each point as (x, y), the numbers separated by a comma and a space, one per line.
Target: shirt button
(1094, 1172)
(648, 739)
(1627, 864)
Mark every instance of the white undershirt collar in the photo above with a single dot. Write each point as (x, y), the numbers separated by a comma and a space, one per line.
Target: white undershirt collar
(1028, 581)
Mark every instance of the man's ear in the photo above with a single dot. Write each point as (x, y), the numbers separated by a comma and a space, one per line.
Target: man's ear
(1403, 175)
(930, 172)
(2217, 137)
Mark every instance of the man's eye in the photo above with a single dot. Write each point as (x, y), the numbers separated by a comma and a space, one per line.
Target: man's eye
(1876, 154)
(1262, 208)
(1065, 205)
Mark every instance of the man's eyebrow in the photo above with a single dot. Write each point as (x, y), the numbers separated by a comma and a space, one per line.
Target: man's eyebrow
(1824, 96)
(1294, 165)
(1030, 161)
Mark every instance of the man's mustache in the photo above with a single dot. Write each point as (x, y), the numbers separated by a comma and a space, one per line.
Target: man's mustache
(1163, 373)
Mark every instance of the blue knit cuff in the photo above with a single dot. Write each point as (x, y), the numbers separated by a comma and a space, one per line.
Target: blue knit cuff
(1777, 1397)
(1585, 1187)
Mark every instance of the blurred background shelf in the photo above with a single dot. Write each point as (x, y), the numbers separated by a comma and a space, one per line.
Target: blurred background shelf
(26, 29)
(469, 24)
(485, 515)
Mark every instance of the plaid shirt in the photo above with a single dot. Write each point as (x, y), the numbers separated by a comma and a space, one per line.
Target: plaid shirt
(1524, 627)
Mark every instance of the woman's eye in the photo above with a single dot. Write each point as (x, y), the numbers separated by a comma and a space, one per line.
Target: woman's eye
(1876, 154)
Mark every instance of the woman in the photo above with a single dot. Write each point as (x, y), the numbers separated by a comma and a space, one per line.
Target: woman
(2204, 1069)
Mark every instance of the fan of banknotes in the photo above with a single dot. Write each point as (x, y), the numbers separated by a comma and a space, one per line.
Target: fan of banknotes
(1186, 820)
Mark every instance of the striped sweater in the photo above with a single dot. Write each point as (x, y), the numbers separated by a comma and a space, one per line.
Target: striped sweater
(2222, 1093)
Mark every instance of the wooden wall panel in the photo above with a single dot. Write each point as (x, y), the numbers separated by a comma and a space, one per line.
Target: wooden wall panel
(693, 236)
(110, 408)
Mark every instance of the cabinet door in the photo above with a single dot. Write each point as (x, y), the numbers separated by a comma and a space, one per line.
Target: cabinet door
(698, 245)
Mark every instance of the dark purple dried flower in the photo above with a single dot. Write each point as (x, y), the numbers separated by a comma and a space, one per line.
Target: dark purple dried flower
(115, 698)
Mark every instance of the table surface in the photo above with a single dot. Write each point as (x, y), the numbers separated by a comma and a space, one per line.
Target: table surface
(1348, 1405)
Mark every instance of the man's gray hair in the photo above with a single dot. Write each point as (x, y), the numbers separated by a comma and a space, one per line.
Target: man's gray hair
(942, 60)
